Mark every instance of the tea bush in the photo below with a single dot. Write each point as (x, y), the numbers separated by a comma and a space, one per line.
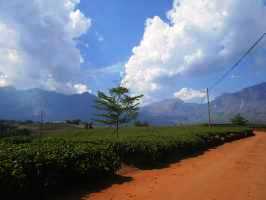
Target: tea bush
(159, 148)
(32, 167)
(42, 164)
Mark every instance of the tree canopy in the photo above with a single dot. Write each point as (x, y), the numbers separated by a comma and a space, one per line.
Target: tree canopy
(117, 107)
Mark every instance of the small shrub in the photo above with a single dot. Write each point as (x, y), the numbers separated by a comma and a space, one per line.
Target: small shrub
(7, 130)
(20, 132)
(141, 124)
(239, 120)
(89, 125)
(74, 122)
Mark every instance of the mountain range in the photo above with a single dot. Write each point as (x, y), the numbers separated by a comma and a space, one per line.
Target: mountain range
(249, 102)
(28, 104)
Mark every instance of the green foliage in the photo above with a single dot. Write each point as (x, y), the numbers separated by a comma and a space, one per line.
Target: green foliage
(73, 156)
(148, 146)
(40, 166)
(18, 139)
(239, 120)
(74, 122)
(160, 147)
(260, 127)
(141, 124)
(9, 130)
(6, 128)
(11, 134)
(88, 125)
(117, 107)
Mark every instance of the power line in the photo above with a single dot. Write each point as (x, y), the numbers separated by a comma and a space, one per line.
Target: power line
(228, 72)
(238, 62)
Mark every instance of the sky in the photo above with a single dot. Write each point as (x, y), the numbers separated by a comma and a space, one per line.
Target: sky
(162, 49)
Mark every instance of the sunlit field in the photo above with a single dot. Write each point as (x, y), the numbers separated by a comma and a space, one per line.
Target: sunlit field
(68, 154)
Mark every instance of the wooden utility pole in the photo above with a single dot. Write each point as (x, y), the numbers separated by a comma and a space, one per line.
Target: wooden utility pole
(209, 107)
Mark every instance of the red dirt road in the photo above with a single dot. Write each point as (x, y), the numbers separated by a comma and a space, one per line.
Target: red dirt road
(234, 171)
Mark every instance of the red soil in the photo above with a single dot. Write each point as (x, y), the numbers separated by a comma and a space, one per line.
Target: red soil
(233, 171)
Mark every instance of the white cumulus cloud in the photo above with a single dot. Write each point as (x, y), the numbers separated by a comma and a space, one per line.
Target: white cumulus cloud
(81, 88)
(3, 81)
(198, 37)
(190, 95)
(38, 43)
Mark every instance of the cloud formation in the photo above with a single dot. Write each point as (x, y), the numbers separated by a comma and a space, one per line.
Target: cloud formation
(190, 95)
(38, 44)
(81, 88)
(198, 37)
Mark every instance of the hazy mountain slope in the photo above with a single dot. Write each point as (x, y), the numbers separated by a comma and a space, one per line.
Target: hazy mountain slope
(27, 104)
(173, 111)
(250, 102)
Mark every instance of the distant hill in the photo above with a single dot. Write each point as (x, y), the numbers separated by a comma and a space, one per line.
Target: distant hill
(27, 104)
(250, 102)
(172, 111)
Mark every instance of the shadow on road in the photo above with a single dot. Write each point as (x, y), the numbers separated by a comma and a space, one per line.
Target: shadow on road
(83, 191)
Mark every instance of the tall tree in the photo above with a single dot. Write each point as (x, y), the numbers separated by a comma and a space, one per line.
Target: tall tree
(117, 107)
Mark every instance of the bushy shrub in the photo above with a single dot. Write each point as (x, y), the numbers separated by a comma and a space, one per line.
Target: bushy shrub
(89, 125)
(74, 122)
(6, 128)
(9, 130)
(28, 168)
(153, 150)
(141, 124)
(53, 161)
(238, 120)
(20, 132)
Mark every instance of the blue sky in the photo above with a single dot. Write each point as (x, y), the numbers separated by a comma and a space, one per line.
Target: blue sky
(120, 25)
(162, 49)
(126, 31)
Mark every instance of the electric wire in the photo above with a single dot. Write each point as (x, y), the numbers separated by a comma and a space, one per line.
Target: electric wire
(238, 62)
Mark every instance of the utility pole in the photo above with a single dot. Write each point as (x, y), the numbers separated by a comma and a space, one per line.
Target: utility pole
(209, 107)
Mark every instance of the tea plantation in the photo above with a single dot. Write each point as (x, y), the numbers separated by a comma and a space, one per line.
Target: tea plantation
(31, 165)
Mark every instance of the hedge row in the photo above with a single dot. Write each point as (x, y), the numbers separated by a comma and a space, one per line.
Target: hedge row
(40, 166)
(48, 163)
(158, 149)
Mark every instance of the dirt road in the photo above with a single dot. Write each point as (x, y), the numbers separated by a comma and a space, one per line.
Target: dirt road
(233, 171)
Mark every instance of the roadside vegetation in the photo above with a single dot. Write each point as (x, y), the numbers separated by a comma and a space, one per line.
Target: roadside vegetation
(73, 156)
(238, 120)
(37, 158)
